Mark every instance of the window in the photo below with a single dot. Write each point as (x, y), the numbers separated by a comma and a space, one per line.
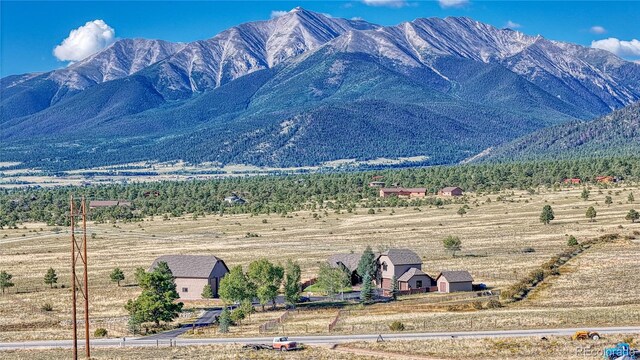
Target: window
(384, 266)
(419, 284)
(185, 289)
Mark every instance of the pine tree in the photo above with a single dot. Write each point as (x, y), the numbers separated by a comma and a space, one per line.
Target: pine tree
(585, 194)
(394, 287)
(224, 321)
(366, 291)
(632, 215)
(117, 275)
(547, 215)
(51, 277)
(572, 241)
(452, 244)
(5, 280)
(608, 200)
(207, 292)
(630, 198)
(462, 211)
(591, 213)
(157, 301)
(367, 264)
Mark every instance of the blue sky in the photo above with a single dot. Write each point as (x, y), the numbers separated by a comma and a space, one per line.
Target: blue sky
(29, 31)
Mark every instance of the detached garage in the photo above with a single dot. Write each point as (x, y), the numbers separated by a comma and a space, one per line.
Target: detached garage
(192, 272)
(454, 281)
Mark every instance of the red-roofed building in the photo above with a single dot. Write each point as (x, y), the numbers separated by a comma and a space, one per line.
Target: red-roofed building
(572, 181)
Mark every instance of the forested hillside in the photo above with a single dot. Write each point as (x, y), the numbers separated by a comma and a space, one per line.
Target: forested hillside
(283, 194)
(616, 134)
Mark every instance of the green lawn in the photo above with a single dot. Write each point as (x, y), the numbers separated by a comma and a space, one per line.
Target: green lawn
(317, 289)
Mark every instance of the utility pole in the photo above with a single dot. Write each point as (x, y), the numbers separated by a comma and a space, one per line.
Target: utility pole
(79, 253)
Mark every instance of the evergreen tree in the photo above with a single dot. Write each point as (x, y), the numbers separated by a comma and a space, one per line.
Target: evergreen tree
(608, 200)
(366, 291)
(292, 287)
(585, 194)
(207, 292)
(394, 287)
(452, 244)
(572, 241)
(224, 321)
(367, 264)
(591, 213)
(5, 280)
(462, 211)
(632, 215)
(547, 215)
(157, 301)
(630, 198)
(117, 275)
(51, 277)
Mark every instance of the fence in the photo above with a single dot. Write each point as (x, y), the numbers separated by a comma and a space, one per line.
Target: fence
(22, 290)
(267, 326)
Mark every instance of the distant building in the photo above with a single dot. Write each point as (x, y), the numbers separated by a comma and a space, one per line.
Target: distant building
(403, 192)
(377, 177)
(572, 181)
(450, 191)
(192, 272)
(235, 200)
(107, 203)
(376, 184)
(606, 179)
(454, 281)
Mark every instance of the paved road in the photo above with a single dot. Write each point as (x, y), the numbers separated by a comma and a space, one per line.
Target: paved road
(317, 340)
(206, 319)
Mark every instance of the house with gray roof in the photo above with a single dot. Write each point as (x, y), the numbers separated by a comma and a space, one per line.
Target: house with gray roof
(348, 263)
(192, 272)
(453, 281)
(406, 266)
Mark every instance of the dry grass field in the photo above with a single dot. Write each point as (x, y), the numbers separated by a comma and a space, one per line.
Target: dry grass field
(532, 348)
(213, 352)
(493, 235)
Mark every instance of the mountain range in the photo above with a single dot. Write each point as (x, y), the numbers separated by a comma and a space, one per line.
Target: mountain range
(305, 88)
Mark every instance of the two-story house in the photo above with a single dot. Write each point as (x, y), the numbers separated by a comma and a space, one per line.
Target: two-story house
(406, 266)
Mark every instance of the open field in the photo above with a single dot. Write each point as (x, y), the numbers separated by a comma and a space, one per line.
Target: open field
(211, 352)
(493, 235)
(532, 348)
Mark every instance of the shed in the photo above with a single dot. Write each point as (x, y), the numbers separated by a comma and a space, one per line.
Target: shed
(453, 281)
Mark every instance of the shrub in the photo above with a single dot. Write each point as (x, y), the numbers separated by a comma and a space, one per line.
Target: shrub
(47, 307)
(100, 332)
(371, 212)
(396, 326)
(493, 304)
(528, 250)
(477, 305)
(572, 241)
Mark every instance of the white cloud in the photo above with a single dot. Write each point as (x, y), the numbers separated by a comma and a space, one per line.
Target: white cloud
(597, 30)
(512, 25)
(387, 3)
(277, 13)
(453, 3)
(619, 47)
(84, 41)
